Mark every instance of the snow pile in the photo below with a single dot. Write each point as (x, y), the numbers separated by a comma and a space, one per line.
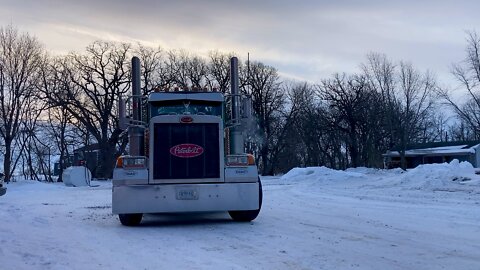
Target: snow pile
(453, 176)
(319, 174)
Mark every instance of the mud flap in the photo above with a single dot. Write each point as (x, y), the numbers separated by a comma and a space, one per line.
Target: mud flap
(3, 191)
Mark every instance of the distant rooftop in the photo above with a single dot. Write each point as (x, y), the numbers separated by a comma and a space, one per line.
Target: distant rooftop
(437, 148)
(437, 144)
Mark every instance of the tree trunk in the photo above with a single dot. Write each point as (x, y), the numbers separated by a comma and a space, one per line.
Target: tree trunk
(60, 165)
(7, 160)
(63, 151)
(265, 161)
(106, 161)
(403, 149)
(353, 149)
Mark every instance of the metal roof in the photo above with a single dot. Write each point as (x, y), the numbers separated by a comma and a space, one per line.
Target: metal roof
(437, 149)
(437, 144)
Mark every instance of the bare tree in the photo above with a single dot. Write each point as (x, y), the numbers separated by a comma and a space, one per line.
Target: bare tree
(268, 100)
(380, 74)
(348, 97)
(301, 129)
(178, 62)
(36, 159)
(197, 72)
(406, 96)
(467, 73)
(219, 71)
(154, 71)
(90, 86)
(461, 131)
(31, 139)
(59, 120)
(21, 58)
(415, 98)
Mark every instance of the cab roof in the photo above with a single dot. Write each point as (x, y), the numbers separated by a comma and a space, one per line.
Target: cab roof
(204, 96)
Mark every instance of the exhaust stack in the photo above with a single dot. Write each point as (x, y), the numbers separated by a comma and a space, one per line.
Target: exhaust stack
(236, 134)
(135, 132)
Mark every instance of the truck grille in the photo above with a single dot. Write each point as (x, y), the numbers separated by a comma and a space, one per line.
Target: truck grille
(186, 151)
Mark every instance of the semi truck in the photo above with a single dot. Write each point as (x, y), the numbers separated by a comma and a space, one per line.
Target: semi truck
(186, 154)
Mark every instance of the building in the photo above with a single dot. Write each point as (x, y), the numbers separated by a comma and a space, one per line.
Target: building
(438, 152)
(87, 156)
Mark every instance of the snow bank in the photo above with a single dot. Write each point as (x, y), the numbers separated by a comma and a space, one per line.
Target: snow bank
(319, 174)
(453, 176)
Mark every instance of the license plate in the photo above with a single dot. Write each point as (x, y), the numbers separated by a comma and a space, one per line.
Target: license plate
(187, 194)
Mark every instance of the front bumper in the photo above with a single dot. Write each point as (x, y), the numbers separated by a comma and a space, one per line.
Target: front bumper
(168, 198)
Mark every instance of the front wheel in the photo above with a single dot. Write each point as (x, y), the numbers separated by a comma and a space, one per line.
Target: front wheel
(130, 219)
(248, 215)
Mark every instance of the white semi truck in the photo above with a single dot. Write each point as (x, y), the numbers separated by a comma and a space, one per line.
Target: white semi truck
(185, 156)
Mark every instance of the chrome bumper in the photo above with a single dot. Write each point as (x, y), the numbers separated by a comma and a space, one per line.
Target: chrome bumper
(169, 198)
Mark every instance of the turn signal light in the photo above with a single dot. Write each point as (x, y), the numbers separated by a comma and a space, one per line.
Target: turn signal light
(120, 162)
(240, 160)
(128, 162)
(251, 159)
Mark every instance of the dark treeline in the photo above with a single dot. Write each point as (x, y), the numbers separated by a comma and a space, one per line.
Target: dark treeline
(50, 105)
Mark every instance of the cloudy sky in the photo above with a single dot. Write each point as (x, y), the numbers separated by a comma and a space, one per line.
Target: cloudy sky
(307, 40)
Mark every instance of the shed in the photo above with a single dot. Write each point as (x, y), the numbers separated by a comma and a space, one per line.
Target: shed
(87, 156)
(84, 156)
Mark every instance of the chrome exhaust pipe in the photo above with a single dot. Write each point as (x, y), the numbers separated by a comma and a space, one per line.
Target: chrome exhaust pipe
(236, 134)
(135, 133)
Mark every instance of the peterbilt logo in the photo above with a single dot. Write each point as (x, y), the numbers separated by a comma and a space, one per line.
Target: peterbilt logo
(186, 150)
(186, 119)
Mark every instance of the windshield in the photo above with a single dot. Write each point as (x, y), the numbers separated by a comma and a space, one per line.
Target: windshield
(185, 107)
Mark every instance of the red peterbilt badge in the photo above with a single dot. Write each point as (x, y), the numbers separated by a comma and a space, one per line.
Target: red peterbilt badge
(186, 119)
(186, 150)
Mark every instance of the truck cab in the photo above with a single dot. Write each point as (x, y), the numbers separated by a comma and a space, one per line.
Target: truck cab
(185, 161)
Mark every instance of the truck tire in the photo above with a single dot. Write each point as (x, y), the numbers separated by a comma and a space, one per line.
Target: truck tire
(249, 215)
(130, 219)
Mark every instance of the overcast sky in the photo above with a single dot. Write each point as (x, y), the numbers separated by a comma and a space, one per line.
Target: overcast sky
(307, 40)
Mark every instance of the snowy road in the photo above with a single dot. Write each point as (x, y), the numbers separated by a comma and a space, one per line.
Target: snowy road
(354, 220)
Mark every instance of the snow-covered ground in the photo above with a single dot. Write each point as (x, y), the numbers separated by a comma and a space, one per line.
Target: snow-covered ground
(312, 218)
